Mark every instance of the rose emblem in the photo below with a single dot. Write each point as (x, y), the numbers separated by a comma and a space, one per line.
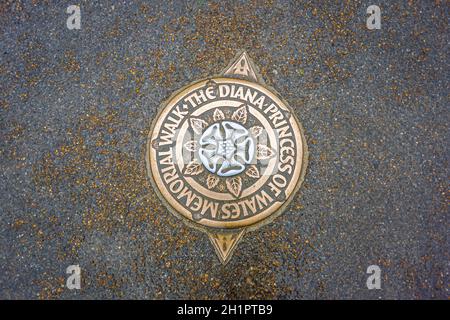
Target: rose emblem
(225, 148)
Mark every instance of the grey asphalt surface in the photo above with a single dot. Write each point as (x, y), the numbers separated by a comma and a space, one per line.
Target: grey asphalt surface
(76, 108)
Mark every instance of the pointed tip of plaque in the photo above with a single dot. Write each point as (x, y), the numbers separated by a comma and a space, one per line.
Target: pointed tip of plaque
(243, 66)
(225, 243)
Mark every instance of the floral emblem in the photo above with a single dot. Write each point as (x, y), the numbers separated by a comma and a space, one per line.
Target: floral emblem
(226, 147)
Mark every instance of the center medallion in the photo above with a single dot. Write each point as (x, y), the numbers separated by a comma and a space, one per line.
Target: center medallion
(225, 148)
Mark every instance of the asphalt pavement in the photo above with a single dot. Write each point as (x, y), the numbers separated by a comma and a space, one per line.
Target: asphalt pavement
(76, 108)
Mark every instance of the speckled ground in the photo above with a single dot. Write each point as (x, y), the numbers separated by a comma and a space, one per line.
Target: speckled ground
(76, 108)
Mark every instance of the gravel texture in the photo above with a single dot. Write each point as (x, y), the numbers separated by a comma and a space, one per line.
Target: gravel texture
(76, 108)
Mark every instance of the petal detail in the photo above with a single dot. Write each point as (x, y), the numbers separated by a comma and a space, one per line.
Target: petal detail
(191, 146)
(264, 152)
(253, 172)
(256, 131)
(212, 181)
(218, 115)
(193, 168)
(240, 115)
(234, 185)
(198, 125)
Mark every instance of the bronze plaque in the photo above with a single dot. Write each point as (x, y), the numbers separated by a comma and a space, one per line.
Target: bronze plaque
(226, 154)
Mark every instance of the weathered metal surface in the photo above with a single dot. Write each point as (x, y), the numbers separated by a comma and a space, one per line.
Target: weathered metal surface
(226, 154)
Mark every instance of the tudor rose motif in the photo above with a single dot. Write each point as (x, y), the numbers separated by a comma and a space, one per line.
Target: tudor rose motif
(226, 147)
